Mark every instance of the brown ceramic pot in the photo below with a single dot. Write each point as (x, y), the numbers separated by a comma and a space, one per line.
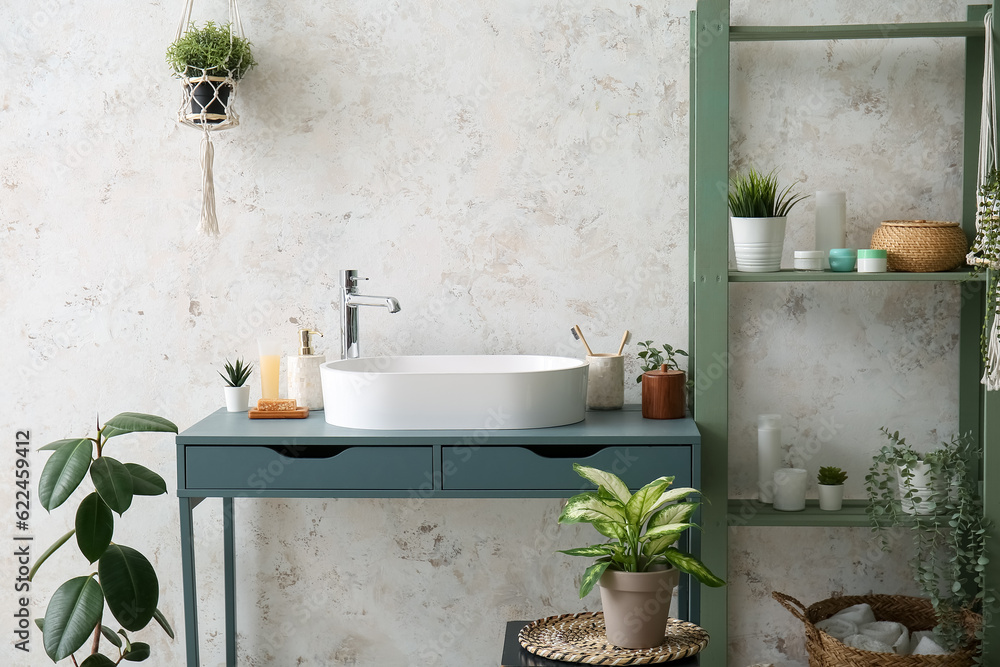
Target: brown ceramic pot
(663, 394)
(637, 606)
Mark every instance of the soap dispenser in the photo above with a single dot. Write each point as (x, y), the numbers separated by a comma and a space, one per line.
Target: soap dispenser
(303, 373)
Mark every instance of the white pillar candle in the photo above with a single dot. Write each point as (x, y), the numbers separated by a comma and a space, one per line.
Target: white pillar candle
(768, 454)
(790, 489)
(831, 222)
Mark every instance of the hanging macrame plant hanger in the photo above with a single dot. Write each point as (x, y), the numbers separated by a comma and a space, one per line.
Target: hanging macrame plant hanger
(985, 252)
(207, 105)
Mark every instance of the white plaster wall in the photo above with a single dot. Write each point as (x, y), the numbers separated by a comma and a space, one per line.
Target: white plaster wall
(506, 170)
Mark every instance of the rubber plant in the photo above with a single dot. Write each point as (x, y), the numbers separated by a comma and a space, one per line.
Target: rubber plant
(949, 532)
(124, 578)
(641, 528)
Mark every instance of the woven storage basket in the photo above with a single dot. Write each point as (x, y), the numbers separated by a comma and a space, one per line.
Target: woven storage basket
(921, 246)
(914, 613)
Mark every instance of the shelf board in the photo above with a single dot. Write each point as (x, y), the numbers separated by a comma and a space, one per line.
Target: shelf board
(776, 33)
(747, 512)
(793, 276)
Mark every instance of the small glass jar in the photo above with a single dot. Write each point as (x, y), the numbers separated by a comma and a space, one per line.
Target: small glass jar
(809, 260)
(872, 261)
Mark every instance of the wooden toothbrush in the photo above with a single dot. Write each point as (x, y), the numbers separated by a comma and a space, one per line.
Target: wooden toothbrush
(578, 334)
(626, 337)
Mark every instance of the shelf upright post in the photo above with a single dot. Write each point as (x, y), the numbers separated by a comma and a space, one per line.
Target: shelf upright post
(709, 323)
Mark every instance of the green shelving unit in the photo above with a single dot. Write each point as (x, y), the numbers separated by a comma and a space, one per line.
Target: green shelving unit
(710, 277)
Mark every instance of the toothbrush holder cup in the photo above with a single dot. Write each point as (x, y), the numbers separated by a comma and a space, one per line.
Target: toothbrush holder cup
(606, 382)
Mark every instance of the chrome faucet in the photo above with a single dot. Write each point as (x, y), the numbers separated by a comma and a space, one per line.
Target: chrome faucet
(349, 302)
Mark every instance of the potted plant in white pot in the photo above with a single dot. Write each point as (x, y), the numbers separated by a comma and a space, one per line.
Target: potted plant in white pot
(639, 566)
(237, 392)
(210, 60)
(759, 212)
(831, 488)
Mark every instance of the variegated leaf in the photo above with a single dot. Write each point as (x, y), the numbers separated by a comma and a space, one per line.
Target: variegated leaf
(643, 500)
(595, 551)
(610, 529)
(591, 577)
(669, 497)
(587, 507)
(685, 562)
(665, 529)
(606, 479)
(676, 513)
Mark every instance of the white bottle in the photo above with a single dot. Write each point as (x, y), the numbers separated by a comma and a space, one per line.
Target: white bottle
(768, 455)
(831, 222)
(303, 373)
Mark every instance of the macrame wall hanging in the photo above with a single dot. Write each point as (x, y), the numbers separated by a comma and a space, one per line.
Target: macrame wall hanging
(985, 252)
(209, 61)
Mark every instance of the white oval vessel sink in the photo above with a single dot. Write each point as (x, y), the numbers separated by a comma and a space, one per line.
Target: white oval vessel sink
(454, 392)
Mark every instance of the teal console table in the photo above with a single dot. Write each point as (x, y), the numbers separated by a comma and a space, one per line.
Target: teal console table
(229, 456)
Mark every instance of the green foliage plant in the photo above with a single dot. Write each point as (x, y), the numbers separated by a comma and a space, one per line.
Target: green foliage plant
(756, 195)
(985, 251)
(831, 476)
(641, 528)
(124, 578)
(950, 558)
(653, 358)
(210, 51)
(237, 375)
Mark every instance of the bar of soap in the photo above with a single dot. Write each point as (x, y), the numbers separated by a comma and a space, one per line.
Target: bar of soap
(276, 404)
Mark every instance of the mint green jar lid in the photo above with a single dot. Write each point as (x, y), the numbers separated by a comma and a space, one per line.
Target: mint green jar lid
(842, 252)
(872, 254)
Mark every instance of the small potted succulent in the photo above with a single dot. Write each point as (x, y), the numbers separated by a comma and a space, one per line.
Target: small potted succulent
(663, 381)
(638, 566)
(831, 488)
(237, 392)
(759, 212)
(210, 60)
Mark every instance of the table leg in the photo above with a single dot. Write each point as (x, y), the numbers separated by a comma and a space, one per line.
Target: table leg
(229, 546)
(187, 506)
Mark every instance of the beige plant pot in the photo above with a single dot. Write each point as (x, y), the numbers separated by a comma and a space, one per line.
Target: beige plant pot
(637, 605)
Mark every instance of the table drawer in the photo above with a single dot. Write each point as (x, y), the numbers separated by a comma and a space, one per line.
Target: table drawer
(551, 466)
(307, 467)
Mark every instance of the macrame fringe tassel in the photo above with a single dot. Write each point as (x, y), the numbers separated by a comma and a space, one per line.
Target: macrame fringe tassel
(209, 223)
(991, 378)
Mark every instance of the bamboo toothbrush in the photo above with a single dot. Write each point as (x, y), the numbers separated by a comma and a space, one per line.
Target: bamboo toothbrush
(578, 334)
(626, 337)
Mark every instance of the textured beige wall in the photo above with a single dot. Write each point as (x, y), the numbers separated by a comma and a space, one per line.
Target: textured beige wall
(506, 169)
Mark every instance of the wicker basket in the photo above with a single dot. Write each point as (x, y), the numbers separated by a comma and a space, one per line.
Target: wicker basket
(921, 246)
(914, 613)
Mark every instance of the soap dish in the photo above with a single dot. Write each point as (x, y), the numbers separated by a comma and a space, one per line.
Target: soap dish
(297, 413)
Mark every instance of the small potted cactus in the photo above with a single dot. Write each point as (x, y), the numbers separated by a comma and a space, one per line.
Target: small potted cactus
(831, 488)
(237, 391)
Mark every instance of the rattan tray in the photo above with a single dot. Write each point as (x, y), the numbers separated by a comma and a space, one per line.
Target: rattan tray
(580, 638)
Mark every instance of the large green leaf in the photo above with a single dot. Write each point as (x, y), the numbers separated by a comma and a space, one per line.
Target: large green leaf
(139, 652)
(98, 660)
(59, 443)
(134, 422)
(161, 619)
(111, 636)
(130, 586)
(676, 513)
(608, 480)
(610, 529)
(657, 545)
(669, 496)
(591, 576)
(644, 500)
(48, 552)
(666, 529)
(63, 472)
(685, 562)
(113, 482)
(595, 551)
(145, 482)
(588, 507)
(73, 613)
(95, 525)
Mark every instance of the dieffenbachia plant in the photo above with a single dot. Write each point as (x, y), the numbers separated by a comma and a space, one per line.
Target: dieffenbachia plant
(642, 527)
(124, 578)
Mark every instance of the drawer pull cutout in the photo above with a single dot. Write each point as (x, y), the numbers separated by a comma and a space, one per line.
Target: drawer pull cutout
(309, 451)
(564, 452)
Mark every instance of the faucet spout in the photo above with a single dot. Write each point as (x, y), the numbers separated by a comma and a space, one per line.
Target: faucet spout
(349, 302)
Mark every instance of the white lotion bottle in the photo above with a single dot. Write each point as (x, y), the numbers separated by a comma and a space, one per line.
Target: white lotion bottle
(303, 373)
(831, 222)
(768, 455)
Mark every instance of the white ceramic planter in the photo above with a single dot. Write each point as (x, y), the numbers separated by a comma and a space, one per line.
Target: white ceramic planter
(831, 497)
(758, 243)
(237, 398)
(927, 491)
(790, 489)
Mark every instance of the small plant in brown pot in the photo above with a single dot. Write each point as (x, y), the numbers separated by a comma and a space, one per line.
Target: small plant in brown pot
(663, 381)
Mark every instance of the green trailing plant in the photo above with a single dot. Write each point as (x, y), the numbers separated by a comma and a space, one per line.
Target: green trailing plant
(237, 375)
(831, 476)
(211, 51)
(641, 528)
(986, 252)
(653, 358)
(124, 578)
(950, 532)
(756, 195)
